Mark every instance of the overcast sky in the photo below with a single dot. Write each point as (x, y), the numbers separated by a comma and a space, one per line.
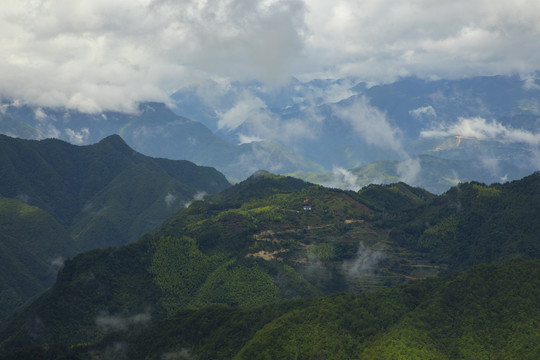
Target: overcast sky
(109, 54)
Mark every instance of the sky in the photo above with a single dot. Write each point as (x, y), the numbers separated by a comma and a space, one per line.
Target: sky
(111, 54)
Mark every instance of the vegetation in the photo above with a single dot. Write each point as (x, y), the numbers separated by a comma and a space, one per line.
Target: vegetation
(278, 268)
(474, 223)
(32, 247)
(488, 311)
(60, 199)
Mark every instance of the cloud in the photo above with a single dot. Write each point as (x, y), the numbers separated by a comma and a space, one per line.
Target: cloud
(424, 112)
(110, 322)
(385, 39)
(109, 55)
(78, 137)
(247, 108)
(370, 123)
(25, 198)
(57, 262)
(199, 196)
(251, 119)
(364, 264)
(409, 170)
(169, 199)
(481, 129)
(343, 179)
(530, 81)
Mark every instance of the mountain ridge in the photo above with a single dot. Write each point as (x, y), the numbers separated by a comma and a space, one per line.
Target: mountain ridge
(98, 195)
(297, 240)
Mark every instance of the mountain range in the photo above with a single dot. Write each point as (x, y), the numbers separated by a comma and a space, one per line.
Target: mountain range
(250, 271)
(483, 128)
(58, 199)
(395, 221)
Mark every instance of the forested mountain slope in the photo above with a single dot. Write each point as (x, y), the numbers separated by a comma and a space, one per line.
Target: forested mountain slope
(60, 199)
(32, 248)
(488, 311)
(274, 238)
(65, 179)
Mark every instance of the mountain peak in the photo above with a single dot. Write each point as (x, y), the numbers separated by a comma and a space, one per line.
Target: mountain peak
(116, 142)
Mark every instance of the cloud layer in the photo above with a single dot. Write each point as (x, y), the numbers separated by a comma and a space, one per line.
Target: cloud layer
(481, 129)
(96, 55)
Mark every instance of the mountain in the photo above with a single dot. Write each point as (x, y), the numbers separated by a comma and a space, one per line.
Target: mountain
(272, 238)
(489, 125)
(16, 128)
(155, 131)
(59, 199)
(432, 173)
(33, 246)
(82, 185)
(487, 311)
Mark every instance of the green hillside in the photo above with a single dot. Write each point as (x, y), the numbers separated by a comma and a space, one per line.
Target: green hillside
(88, 197)
(486, 312)
(33, 246)
(273, 238)
(474, 223)
(104, 194)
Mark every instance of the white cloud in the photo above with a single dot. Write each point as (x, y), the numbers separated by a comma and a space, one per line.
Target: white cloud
(254, 121)
(490, 164)
(530, 81)
(94, 55)
(247, 108)
(78, 137)
(364, 264)
(110, 54)
(40, 114)
(199, 196)
(370, 123)
(424, 112)
(383, 39)
(246, 139)
(107, 321)
(409, 170)
(343, 179)
(57, 262)
(481, 129)
(169, 199)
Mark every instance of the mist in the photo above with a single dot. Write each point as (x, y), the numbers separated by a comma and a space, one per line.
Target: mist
(364, 264)
(109, 322)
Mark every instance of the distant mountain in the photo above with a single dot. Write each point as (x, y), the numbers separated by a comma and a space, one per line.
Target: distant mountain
(273, 238)
(155, 131)
(64, 199)
(317, 126)
(17, 128)
(490, 124)
(432, 173)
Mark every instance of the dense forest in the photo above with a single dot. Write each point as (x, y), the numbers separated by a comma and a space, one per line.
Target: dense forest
(58, 199)
(275, 267)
